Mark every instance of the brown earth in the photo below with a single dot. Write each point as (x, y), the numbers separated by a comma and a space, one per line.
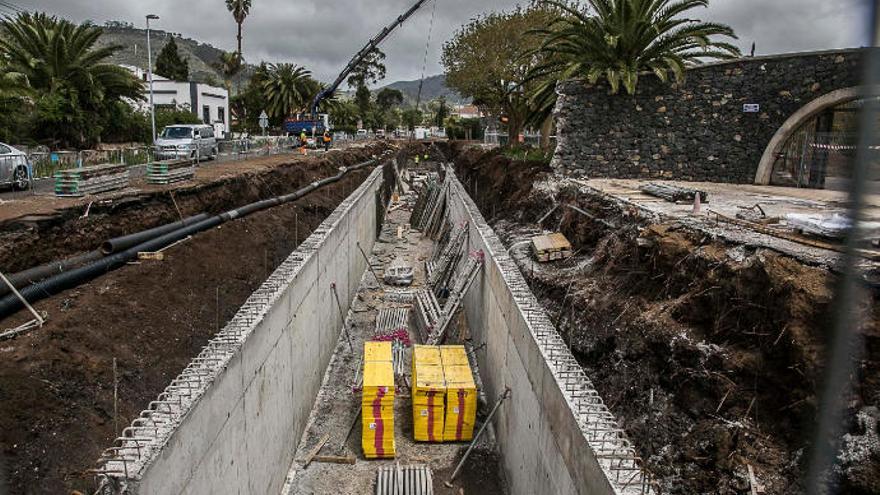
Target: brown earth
(56, 383)
(710, 354)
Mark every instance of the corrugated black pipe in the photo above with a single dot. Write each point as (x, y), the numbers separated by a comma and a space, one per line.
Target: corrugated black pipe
(122, 243)
(10, 304)
(37, 273)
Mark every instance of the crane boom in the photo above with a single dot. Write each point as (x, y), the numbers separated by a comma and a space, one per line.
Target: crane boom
(361, 55)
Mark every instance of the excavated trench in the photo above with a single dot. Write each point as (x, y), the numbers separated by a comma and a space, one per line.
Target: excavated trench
(56, 383)
(709, 353)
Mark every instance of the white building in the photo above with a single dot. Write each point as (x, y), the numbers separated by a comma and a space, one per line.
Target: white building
(210, 103)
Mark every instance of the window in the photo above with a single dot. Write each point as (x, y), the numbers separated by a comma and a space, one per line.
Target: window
(5, 150)
(206, 114)
(221, 115)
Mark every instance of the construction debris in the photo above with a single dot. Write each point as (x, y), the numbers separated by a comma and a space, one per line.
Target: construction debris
(674, 194)
(409, 480)
(456, 294)
(834, 226)
(399, 273)
(75, 182)
(551, 247)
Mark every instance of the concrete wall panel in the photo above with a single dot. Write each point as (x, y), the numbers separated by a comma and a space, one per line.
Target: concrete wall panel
(239, 435)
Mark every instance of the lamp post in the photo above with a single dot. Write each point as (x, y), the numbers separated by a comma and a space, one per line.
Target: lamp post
(150, 76)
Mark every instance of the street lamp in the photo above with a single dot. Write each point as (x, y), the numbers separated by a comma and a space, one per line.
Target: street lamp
(150, 17)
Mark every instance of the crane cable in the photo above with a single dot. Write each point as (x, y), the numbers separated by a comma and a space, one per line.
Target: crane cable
(425, 62)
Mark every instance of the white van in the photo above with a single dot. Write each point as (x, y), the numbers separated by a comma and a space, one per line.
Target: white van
(195, 142)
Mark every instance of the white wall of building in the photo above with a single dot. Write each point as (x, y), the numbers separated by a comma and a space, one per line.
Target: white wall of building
(209, 103)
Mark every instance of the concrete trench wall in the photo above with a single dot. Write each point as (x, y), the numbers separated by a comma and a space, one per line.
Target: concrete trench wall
(553, 425)
(239, 434)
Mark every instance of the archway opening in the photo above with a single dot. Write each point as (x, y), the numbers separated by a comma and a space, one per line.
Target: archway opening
(819, 153)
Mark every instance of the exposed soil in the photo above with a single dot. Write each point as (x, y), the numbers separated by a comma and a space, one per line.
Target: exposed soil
(56, 383)
(710, 354)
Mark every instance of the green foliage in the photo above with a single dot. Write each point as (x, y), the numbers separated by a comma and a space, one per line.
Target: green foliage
(458, 128)
(72, 92)
(412, 117)
(371, 70)
(496, 78)
(229, 65)
(287, 89)
(170, 64)
(389, 98)
(618, 40)
(239, 9)
(529, 155)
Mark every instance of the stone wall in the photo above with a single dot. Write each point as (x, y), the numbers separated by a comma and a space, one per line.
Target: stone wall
(697, 130)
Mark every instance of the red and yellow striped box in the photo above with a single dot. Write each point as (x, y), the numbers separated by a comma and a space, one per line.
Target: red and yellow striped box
(461, 404)
(429, 389)
(377, 407)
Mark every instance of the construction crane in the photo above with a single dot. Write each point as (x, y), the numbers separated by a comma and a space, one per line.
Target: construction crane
(315, 123)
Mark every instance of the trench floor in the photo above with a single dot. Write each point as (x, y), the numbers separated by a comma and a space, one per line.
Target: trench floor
(338, 402)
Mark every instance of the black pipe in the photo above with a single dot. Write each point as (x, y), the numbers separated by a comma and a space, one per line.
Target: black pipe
(122, 243)
(37, 273)
(73, 278)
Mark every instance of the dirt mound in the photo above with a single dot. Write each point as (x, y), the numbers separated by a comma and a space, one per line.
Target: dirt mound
(710, 354)
(56, 383)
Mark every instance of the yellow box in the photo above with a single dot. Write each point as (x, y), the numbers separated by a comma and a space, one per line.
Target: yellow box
(428, 421)
(426, 355)
(378, 439)
(453, 355)
(427, 380)
(377, 351)
(378, 374)
(461, 404)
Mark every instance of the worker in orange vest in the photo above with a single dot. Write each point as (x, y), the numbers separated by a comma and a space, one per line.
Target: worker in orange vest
(328, 138)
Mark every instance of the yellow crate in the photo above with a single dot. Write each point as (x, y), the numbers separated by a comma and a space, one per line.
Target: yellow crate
(428, 420)
(427, 380)
(377, 407)
(461, 404)
(426, 355)
(453, 355)
(378, 439)
(377, 351)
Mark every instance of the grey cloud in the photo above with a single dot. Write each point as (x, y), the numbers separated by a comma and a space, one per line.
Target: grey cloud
(323, 34)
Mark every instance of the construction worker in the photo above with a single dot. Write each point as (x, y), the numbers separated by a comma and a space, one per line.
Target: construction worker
(303, 141)
(328, 138)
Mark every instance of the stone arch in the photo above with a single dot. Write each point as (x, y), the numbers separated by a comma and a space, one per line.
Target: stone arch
(834, 98)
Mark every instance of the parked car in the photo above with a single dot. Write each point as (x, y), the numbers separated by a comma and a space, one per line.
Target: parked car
(13, 168)
(362, 134)
(186, 141)
(380, 134)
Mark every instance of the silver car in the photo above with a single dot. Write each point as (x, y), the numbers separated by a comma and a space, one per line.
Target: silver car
(13, 168)
(194, 142)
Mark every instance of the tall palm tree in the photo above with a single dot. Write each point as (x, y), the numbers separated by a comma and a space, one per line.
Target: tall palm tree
(621, 39)
(287, 89)
(240, 10)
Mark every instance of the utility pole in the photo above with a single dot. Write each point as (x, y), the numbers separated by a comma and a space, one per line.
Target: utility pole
(150, 76)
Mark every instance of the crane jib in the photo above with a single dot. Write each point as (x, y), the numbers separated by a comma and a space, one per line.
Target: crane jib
(361, 55)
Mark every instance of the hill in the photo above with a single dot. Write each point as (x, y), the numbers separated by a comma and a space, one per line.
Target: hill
(133, 41)
(434, 87)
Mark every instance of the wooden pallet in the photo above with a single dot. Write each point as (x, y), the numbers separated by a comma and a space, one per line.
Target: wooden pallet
(551, 247)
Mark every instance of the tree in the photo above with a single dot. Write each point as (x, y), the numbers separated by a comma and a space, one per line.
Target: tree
(412, 117)
(389, 98)
(287, 89)
(440, 111)
(240, 10)
(625, 38)
(170, 64)
(65, 70)
(497, 77)
(370, 70)
(229, 64)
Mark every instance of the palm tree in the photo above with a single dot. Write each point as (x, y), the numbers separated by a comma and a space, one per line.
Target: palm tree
(65, 71)
(50, 53)
(625, 38)
(287, 89)
(229, 64)
(240, 10)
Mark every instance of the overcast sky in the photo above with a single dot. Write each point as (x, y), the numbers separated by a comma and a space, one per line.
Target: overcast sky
(324, 34)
